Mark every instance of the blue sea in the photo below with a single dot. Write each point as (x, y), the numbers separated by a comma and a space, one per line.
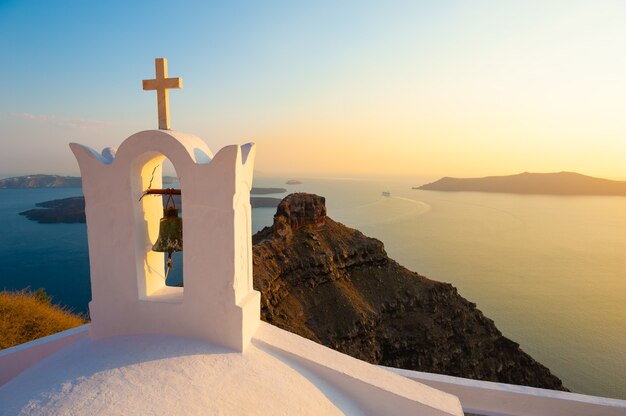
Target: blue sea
(550, 271)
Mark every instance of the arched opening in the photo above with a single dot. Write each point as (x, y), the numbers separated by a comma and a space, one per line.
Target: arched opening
(155, 180)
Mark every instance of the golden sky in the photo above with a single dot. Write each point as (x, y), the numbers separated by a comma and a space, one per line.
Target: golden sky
(356, 88)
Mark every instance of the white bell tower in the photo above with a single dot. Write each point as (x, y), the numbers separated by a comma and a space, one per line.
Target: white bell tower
(129, 295)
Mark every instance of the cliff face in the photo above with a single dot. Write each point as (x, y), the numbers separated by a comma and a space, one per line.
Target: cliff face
(332, 284)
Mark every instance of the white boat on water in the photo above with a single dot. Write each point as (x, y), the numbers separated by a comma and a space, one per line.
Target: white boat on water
(386, 193)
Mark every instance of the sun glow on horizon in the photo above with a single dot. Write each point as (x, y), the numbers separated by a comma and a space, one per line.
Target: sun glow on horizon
(414, 89)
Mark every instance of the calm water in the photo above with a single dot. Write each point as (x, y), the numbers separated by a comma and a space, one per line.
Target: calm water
(52, 256)
(550, 271)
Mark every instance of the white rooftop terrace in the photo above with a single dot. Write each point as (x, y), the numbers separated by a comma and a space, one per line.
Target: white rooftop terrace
(280, 373)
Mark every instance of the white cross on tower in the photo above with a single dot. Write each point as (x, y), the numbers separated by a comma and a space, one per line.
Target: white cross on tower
(161, 84)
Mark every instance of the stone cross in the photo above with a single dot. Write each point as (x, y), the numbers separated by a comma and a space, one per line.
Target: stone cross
(161, 84)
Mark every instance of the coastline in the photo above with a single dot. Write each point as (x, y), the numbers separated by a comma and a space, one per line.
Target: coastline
(501, 251)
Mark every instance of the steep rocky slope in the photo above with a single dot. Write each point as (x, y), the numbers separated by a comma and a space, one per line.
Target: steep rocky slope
(334, 285)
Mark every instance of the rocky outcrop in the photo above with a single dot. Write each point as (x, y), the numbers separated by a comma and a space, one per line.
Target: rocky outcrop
(332, 284)
(296, 211)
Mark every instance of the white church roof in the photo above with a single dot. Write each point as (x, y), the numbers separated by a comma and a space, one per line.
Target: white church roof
(166, 375)
(279, 374)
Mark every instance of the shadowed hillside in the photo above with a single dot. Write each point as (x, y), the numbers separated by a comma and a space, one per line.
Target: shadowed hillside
(332, 284)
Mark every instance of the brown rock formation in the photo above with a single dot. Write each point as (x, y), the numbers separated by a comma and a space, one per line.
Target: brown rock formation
(332, 284)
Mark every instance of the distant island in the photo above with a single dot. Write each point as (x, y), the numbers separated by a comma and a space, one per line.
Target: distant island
(56, 181)
(265, 191)
(41, 181)
(264, 202)
(66, 210)
(72, 210)
(560, 183)
(293, 182)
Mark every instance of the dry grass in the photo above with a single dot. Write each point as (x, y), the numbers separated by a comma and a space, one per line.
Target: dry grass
(25, 316)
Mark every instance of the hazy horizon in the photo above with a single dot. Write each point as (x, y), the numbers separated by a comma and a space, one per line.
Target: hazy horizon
(283, 176)
(359, 89)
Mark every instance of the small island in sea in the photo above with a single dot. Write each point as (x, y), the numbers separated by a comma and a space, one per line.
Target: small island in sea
(66, 210)
(293, 182)
(559, 183)
(72, 210)
(265, 191)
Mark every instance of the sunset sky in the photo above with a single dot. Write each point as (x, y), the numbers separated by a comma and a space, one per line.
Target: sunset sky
(437, 88)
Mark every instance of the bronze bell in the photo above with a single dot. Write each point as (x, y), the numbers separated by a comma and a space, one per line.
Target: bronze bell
(170, 232)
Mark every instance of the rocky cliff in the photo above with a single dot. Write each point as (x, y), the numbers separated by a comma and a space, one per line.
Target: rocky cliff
(332, 284)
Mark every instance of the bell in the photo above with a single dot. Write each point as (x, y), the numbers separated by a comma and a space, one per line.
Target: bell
(170, 234)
